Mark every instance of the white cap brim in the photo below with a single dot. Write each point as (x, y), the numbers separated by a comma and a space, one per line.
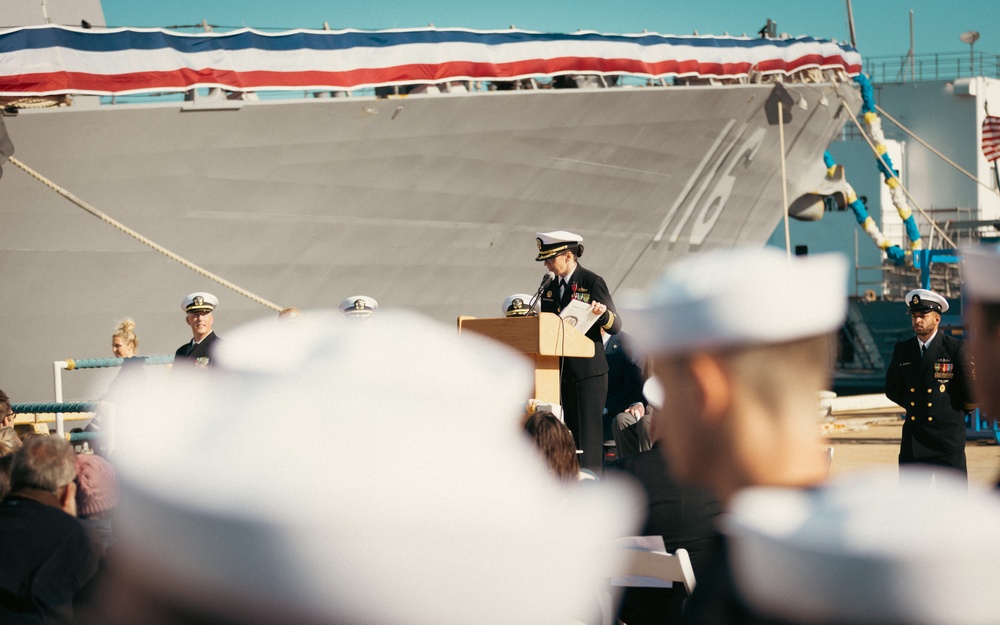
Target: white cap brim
(875, 547)
(372, 473)
(730, 298)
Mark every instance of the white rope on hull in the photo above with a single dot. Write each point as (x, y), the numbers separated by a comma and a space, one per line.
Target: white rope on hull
(142, 239)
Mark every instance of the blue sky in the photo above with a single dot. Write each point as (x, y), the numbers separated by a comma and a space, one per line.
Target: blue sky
(882, 26)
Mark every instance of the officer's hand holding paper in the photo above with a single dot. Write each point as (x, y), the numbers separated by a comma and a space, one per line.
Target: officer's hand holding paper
(581, 315)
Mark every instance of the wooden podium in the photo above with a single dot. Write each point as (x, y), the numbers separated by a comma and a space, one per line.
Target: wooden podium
(543, 339)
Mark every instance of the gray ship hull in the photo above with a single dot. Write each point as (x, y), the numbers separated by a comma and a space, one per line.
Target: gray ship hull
(424, 202)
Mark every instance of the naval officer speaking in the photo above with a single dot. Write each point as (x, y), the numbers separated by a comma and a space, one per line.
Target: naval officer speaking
(584, 383)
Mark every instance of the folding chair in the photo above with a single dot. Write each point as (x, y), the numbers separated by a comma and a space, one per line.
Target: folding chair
(648, 568)
(656, 569)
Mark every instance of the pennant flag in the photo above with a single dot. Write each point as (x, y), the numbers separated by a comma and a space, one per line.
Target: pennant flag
(991, 138)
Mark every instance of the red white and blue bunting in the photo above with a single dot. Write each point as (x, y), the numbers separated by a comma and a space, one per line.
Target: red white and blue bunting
(53, 60)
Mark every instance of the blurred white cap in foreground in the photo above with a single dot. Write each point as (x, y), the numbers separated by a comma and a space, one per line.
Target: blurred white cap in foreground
(732, 298)
(874, 547)
(368, 473)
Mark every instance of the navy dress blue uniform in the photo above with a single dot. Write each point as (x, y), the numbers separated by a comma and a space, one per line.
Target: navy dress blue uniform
(199, 352)
(584, 383)
(625, 375)
(934, 390)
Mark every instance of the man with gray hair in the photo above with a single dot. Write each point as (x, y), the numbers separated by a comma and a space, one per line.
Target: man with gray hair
(46, 553)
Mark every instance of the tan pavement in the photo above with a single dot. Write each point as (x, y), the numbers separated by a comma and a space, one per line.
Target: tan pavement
(868, 442)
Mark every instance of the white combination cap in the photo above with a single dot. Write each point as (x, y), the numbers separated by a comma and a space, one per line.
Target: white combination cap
(881, 546)
(922, 300)
(981, 272)
(359, 306)
(368, 499)
(516, 305)
(552, 243)
(729, 298)
(200, 301)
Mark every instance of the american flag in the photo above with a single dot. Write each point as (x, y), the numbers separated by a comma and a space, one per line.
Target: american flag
(991, 138)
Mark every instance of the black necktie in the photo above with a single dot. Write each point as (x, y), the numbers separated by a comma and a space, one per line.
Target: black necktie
(562, 289)
(923, 348)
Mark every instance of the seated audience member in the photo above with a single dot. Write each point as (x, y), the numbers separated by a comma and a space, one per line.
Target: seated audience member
(632, 431)
(220, 524)
(9, 441)
(683, 515)
(554, 440)
(7, 414)
(27, 435)
(625, 418)
(6, 464)
(96, 497)
(46, 554)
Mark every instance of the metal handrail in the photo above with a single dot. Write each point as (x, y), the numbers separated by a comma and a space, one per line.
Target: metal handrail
(931, 66)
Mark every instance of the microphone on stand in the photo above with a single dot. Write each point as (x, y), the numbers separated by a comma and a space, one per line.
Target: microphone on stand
(546, 280)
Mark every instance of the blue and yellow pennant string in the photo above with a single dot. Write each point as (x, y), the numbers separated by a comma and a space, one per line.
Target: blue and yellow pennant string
(893, 252)
(874, 125)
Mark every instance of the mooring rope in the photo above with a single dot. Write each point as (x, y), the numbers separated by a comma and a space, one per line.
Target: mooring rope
(142, 239)
(784, 178)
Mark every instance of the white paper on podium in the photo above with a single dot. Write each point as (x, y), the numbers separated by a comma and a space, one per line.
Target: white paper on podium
(579, 315)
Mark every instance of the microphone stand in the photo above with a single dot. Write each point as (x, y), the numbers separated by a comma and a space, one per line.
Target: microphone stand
(546, 281)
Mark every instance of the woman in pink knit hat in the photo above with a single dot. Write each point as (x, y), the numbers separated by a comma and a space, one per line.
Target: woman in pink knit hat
(96, 497)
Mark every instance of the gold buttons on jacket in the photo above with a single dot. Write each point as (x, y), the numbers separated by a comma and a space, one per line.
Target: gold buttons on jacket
(930, 418)
(912, 404)
(913, 390)
(913, 418)
(930, 390)
(929, 404)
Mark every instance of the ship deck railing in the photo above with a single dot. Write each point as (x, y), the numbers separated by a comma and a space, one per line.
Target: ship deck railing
(931, 66)
(77, 364)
